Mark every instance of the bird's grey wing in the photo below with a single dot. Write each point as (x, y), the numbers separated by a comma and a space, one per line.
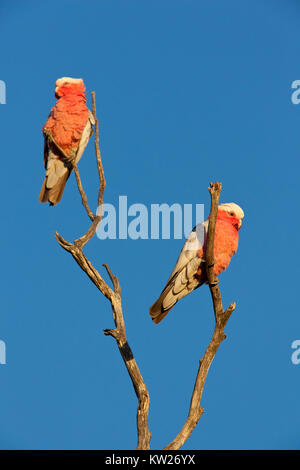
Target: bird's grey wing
(182, 279)
(86, 134)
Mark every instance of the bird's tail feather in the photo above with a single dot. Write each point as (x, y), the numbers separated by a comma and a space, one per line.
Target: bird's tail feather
(157, 310)
(158, 316)
(54, 183)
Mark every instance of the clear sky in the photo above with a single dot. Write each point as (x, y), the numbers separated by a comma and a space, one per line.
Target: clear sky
(188, 92)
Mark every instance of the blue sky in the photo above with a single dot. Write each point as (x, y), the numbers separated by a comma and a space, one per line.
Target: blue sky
(188, 92)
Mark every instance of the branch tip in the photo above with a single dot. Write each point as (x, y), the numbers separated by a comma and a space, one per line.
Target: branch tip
(113, 278)
(110, 332)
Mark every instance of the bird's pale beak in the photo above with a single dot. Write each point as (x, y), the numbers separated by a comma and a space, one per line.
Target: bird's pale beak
(240, 224)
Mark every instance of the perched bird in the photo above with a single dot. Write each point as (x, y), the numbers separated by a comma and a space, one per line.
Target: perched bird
(66, 134)
(189, 272)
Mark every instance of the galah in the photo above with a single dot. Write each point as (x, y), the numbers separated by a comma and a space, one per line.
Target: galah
(66, 134)
(190, 272)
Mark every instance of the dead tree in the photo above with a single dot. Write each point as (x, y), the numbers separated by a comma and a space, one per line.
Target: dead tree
(113, 294)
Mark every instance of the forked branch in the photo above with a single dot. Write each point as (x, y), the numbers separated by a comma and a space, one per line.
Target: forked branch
(221, 318)
(112, 294)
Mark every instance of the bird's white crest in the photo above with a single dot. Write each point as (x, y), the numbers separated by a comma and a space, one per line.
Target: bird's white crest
(232, 207)
(61, 81)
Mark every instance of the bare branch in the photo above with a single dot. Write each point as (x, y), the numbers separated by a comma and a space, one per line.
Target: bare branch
(215, 190)
(113, 295)
(84, 239)
(221, 318)
(82, 193)
(98, 154)
(119, 333)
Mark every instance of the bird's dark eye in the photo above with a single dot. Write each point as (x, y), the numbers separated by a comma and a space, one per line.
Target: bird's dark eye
(231, 214)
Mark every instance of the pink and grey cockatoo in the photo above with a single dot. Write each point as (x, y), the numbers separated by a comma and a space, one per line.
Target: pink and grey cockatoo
(66, 134)
(189, 272)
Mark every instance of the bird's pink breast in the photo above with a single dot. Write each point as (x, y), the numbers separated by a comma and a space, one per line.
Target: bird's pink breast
(226, 244)
(67, 121)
